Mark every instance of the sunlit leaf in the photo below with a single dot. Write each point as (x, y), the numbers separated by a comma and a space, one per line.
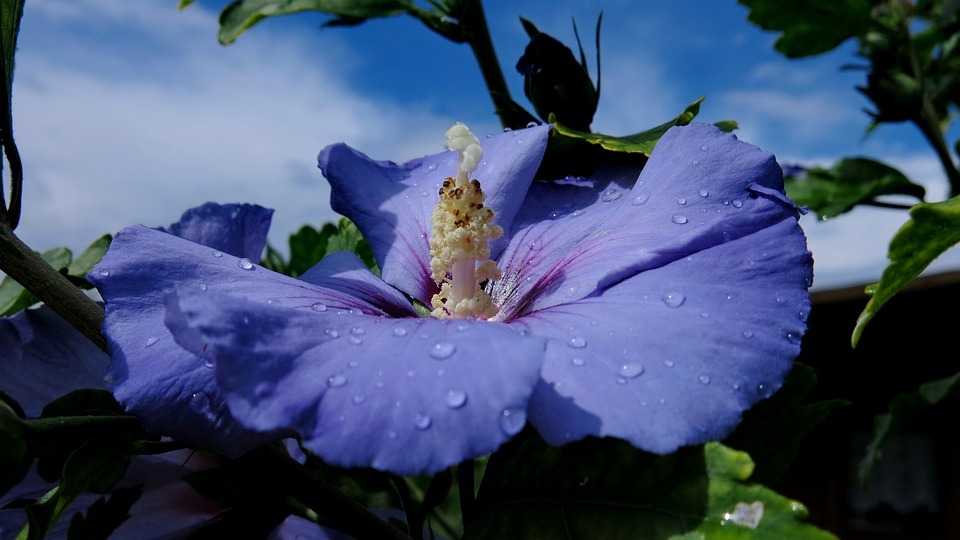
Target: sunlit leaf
(933, 228)
(605, 488)
(851, 181)
(641, 143)
(13, 297)
(901, 410)
(810, 27)
(236, 18)
(84, 263)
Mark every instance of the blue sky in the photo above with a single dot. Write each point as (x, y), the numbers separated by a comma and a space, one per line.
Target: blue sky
(131, 112)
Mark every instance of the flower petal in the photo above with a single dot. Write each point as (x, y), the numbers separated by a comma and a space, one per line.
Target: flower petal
(673, 355)
(237, 229)
(172, 389)
(44, 358)
(343, 271)
(409, 395)
(700, 188)
(392, 204)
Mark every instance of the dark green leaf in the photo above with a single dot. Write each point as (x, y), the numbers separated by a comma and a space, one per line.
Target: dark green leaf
(349, 238)
(605, 488)
(14, 459)
(901, 410)
(810, 27)
(10, 13)
(932, 229)
(851, 181)
(104, 515)
(89, 464)
(236, 18)
(771, 432)
(641, 143)
(308, 246)
(184, 3)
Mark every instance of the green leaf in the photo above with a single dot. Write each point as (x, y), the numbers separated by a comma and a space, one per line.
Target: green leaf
(84, 263)
(184, 4)
(771, 431)
(349, 238)
(605, 488)
(810, 27)
(236, 18)
(87, 465)
(640, 143)
(14, 458)
(13, 297)
(851, 181)
(308, 246)
(932, 229)
(903, 408)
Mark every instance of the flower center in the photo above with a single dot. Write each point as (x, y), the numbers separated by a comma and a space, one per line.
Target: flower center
(462, 229)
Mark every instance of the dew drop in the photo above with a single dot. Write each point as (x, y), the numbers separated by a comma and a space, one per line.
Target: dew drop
(104, 272)
(217, 254)
(332, 333)
(353, 364)
(630, 370)
(640, 200)
(577, 342)
(703, 193)
(399, 332)
(319, 306)
(536, 245)
(694, 162)
(442, 350)
(336, 381)
(610, 195)
(202, 286)
(245, 264)
(532, 123)
(679, 219)
(355, 340)
(764, 390)
(357, 331)
(512, 421)
(199, 402)
(704, 379)
(621, 380)
(455, 399)
(704, 148)
(422, 421)
(669, 363)
(577, 361)
(151, 341)
(681, 200)
(358, 399)
(392, 435)
(748, 334)
(674, 299)
(737, 203)
(793, 337)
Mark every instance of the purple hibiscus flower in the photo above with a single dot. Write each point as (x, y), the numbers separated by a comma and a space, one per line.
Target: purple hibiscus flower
(654, 309)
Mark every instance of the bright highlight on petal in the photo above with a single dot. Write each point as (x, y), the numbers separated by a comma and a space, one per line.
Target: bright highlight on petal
(462, 230)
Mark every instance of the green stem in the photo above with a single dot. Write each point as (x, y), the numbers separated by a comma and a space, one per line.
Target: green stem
(930, 127)
(277, 467)
(474, 23)
(62, 426)
(27, 268)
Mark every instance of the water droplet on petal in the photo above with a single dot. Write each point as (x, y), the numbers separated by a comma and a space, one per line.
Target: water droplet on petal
(512, 421)
(577, 342)
(442, 350)
(681, 200)
(610, 195)
(353, 364)
(764, 390)
(793, 337)
(399, 332)
(679, 219)
(536, 245)
(669, 363)
(577, 361)
(704, 379)
(748, 334)
(455, 399)
(630, 370)
(354, 340)
(199, 402)
(319, 306)
(703, 193)
(422, 421)
(532, 123)
(202, 286)
(104, 272)
(337, 381)
(245, 264)
(704, 148)
(357, 331)
(640, 199)
(392, 435)
(694, 162)
(151, 341)
(674, 299)
(332, 333)
(737, 203)
(358, 399)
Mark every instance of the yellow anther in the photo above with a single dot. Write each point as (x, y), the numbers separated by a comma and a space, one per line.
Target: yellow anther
(462, 229)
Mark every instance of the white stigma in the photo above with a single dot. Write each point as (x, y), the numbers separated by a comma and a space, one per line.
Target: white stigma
(462, 140)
